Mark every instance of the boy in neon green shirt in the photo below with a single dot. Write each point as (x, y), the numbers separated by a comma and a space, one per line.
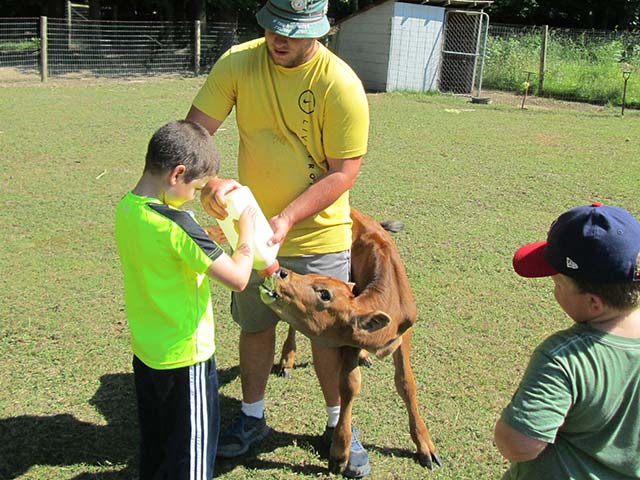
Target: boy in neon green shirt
(166, 260)
(576, 413)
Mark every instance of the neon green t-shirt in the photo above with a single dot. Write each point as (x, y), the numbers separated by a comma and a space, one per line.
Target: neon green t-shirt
(289, 121)
(581, 394)
(164, 255)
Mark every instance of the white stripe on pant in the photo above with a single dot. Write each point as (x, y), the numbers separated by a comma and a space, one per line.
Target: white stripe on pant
(199, 422)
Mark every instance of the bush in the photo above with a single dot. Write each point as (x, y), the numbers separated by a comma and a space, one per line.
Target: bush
(20, 46)
(584, 66)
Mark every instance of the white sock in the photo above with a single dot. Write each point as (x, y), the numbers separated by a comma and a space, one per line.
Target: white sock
(255, 409)
(333, 413)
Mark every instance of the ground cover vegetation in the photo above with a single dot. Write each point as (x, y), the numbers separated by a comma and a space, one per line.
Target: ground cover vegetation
(470, 182)
(578, 66)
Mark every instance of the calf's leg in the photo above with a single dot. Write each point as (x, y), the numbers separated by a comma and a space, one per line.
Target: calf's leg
(406, 388)
(288, 354)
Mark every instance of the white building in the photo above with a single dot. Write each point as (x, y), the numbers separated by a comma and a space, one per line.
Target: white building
(415, 45)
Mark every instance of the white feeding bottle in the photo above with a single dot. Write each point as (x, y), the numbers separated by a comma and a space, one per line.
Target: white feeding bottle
(264, 257)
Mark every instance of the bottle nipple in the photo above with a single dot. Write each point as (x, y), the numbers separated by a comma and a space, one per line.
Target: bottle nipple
(270, 270)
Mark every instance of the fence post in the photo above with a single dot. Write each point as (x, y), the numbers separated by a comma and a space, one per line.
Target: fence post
(44, 67)
(196, 48)
(69, 24)
(543, 59)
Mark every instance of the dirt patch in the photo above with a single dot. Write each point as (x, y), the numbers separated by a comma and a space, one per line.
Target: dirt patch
(14, 74)
(538, 103)
(10, 77)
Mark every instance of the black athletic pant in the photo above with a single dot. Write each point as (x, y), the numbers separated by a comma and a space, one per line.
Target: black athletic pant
(179, 421)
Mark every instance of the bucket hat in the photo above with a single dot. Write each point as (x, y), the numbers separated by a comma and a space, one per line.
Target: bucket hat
(295, 18)
(595, 243)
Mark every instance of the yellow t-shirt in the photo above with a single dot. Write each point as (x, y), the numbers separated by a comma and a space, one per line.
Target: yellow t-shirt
(290, 120)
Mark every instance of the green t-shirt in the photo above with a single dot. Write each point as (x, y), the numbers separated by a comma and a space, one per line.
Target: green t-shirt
(164, 255)
(581, 394)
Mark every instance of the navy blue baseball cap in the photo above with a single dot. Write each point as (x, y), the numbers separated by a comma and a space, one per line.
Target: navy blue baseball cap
(595, 243)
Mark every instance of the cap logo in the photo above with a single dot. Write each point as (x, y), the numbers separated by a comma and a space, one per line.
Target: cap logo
(636, 271)
(299, 5)
(571, 264)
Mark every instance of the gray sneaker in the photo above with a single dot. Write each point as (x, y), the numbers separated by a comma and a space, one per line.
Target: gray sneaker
(242, 434)
(358, 463)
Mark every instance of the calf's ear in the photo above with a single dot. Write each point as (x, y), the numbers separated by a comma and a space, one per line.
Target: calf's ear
(373, 321)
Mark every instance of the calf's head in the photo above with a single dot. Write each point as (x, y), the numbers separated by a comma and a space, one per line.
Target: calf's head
(326, 310)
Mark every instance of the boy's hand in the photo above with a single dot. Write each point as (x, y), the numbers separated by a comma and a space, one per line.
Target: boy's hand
(247, 221)
(213, 195)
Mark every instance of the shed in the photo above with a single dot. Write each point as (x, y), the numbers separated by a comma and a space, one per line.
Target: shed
(416, 45)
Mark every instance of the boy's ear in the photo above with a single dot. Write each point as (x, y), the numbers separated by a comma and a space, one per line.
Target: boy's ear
(596, 304)
(175, 173)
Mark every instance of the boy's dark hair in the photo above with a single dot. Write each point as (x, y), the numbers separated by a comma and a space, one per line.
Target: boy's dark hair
(621, 296)
(182, 142)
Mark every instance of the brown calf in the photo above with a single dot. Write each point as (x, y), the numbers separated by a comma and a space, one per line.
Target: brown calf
(288, 355)
(376, 315)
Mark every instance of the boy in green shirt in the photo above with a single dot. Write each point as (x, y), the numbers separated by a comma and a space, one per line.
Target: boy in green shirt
(576, 412)
(166, 260)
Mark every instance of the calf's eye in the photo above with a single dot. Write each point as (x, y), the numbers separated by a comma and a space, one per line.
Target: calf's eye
(325, 295)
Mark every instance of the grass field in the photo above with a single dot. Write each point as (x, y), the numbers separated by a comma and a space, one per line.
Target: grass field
(471, 182)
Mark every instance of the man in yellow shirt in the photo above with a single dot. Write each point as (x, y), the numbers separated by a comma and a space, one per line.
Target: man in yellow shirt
(303, 122)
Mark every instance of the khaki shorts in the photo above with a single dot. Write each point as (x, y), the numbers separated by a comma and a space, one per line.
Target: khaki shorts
(252, 315)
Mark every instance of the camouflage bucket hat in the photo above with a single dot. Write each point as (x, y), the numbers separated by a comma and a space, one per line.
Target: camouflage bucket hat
(295, 18)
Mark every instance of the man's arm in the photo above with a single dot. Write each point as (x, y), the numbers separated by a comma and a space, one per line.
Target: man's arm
(212, 196)
(516, 446)
(203, 119)
(327, 189)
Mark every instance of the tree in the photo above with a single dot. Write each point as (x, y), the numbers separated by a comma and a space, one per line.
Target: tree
(601, 14)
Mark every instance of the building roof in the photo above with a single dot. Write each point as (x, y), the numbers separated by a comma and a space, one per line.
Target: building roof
(458, 4)
(464, 4)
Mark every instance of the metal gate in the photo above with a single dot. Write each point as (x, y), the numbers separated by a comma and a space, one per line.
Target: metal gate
(465, 40)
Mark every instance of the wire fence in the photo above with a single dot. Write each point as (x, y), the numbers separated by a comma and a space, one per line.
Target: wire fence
(19, 49)
(568, 64)
(461, 64)
(88, 48)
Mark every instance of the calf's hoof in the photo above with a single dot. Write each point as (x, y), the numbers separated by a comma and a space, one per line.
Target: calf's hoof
(365, 362)
(336, 466)
(284, 373)
(429, 460)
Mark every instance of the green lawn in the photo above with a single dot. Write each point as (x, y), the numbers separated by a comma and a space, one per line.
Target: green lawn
(471, 183)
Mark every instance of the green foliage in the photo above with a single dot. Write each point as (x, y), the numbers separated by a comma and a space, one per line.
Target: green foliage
(602, 14)
(577, 67)
(507, 60)
(243, 8)
(32, 44)
(471, 184)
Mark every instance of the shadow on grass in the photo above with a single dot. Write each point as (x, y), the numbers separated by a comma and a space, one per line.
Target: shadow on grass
(275, 440)
(63, 440)
(282, 439)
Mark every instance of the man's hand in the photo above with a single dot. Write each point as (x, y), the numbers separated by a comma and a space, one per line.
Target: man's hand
(280, 224)
(216, 234)
(213, 195)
